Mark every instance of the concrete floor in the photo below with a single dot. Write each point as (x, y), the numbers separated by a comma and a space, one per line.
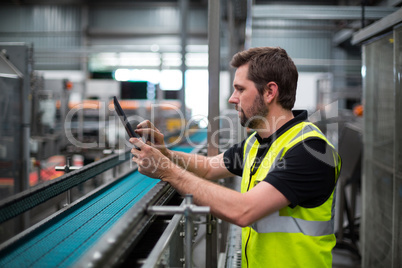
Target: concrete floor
(344, 258)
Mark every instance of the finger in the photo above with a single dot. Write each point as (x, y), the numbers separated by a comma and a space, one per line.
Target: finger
(135, 152)
(137, 142)
(146, 124)
(137, 161)
(149, 134)
(149, 143)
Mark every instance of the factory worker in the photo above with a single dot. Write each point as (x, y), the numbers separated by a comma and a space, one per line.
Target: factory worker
(289, 169)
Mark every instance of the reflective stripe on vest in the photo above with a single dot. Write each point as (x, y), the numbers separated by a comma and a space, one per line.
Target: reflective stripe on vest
(286, 224)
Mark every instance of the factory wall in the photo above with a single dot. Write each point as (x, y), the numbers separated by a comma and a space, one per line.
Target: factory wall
(64, 36)
(134, 25)
(52, 30)
(311, 45)
(299, 43)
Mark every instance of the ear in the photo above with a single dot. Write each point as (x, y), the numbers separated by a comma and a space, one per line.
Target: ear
(271, 92)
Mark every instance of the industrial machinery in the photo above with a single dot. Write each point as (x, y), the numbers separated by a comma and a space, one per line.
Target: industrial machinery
(112, 226)
(15, 77)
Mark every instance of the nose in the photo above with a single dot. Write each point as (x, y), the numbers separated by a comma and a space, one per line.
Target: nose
(234, 99)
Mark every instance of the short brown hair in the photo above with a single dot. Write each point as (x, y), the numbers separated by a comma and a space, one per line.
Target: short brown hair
(268, 64)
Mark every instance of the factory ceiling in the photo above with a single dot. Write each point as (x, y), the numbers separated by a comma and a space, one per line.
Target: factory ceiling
(199, 2)
(97, 2)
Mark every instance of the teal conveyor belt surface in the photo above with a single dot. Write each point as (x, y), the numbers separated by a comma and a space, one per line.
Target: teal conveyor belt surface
(61, 241)
(198, 137)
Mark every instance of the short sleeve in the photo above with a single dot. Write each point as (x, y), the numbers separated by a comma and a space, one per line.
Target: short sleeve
(302, 178)
(233, 158)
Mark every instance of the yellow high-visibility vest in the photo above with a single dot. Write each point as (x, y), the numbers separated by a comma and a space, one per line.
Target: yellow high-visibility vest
(290, 237)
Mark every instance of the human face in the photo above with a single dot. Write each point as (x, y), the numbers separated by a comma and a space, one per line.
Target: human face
(248, 101)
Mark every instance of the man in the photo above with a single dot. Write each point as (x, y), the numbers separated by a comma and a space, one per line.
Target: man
(288, 168)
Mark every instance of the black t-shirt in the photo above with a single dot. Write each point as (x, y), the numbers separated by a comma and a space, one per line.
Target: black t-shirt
(301, 177)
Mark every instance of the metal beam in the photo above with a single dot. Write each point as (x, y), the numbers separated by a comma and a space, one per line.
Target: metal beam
(117, 49)
(378, 27)
(183, 38)
(308, 12)
(213, 113)
(137, 33)
(345, 33)
(213, 72)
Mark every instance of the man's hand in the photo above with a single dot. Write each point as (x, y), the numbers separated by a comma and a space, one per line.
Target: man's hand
(152, 135)
(151, 162)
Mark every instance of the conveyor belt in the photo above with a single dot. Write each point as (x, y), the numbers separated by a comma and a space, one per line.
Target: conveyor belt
(198, 137)
(61, 241)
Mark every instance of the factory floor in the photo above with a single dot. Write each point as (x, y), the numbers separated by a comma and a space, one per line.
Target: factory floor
(342, 258)
(346, 258)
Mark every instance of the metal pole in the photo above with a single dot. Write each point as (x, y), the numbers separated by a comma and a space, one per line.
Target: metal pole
(188, 248)
(183, 29)
(69, 190)
(232, 38)
(67, 168)
(213, 112)
(26, 119)
(188, 210)
(213, 73)
(247, 42)
(363, 13)
(84, 69)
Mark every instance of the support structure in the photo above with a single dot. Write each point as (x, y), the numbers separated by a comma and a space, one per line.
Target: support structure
(213, 113)
(67, 168)
(188, 209)
(183, 38)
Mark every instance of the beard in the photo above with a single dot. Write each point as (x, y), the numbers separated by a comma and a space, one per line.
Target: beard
(258, 112)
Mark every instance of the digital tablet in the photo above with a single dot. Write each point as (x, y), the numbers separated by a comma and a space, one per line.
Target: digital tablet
(123, 119)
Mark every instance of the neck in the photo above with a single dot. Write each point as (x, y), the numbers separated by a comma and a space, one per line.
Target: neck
(275, 119)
